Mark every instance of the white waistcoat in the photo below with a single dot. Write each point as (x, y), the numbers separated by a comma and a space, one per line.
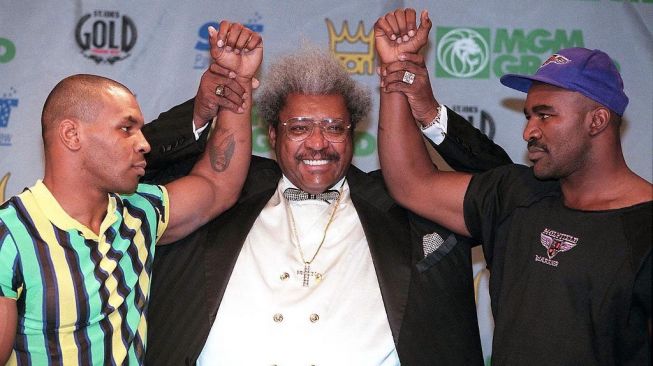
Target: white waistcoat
(267, 316)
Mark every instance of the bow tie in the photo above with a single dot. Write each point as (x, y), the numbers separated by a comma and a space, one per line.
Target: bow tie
(294, 194)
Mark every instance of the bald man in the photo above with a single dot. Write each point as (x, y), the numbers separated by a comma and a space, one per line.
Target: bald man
(76, 249)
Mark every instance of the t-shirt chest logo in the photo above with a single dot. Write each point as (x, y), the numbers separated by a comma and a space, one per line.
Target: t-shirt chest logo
(555, 243)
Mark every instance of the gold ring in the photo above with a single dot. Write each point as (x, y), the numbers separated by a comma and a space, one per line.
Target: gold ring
(219, 90)
(408, 78)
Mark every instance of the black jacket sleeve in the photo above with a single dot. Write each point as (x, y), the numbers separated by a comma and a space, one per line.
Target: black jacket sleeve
(174, 149)
(466, 149)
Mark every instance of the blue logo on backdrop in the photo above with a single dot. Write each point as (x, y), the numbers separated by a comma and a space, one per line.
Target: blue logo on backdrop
(202, 57)
(6, 103)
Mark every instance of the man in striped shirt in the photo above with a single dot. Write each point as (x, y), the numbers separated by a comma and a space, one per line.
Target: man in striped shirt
(76, 249)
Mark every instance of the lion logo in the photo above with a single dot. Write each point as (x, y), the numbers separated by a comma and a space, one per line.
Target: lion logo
(463, 53)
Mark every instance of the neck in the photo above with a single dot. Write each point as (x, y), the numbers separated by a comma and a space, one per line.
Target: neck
(606, 183)
(87, 205)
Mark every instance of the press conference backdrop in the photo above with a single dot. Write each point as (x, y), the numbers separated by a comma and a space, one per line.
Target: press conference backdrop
(159, 49)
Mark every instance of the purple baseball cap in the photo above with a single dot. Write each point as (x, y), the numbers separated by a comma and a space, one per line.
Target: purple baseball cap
(589, 72)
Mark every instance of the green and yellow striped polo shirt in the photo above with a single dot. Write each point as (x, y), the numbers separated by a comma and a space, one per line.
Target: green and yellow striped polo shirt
(81, 298)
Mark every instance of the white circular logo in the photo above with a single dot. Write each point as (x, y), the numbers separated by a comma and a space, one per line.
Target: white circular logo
(463, 52)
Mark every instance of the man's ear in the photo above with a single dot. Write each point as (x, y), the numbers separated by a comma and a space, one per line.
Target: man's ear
(272, 136)
(599, 120)
(69, 134)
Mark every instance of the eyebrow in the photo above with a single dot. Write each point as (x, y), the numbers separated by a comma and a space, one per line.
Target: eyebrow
(540, 108)
(134, 121)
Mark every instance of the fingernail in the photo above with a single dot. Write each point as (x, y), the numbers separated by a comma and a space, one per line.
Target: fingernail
(406, 38)
(402, 57)
(245, 96)
(237, 51)
(378, 70)
(212, 30)
(411, 33)
(393, 37)
(232, 75)
(399, 40)
(240, 110)
(385, 72)
(228, 48)
(220, 43)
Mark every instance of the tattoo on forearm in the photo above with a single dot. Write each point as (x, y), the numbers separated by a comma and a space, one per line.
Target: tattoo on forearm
(222, 153)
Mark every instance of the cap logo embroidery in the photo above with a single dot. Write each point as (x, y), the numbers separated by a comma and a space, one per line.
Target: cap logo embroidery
(555, 243)
(556, 59)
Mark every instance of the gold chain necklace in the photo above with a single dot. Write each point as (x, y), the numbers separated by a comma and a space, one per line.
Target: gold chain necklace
(306, 273)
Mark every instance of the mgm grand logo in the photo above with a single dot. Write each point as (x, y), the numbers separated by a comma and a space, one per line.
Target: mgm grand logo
(478, 53)
(3, 187)
(355, 52)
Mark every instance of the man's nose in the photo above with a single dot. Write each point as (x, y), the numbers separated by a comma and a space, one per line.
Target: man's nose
(142, 145)
(316, 139)
(531, 131)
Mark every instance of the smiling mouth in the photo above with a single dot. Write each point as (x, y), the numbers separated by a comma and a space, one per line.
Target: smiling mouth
(315, 162)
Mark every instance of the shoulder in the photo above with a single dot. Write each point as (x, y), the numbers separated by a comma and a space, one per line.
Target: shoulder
(514, 182)
(263, 175)
(13, 209)
(637, 190)
(7, 208)
(510, 172)
(369, 187)
(261, 169)
(260, 164)
(7, 214)
(638, 228)
(146, 195)
(151, 192)
(13, 217)
(373, 178)
(180, 110)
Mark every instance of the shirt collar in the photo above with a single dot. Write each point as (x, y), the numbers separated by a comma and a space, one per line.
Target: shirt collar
(53, 211)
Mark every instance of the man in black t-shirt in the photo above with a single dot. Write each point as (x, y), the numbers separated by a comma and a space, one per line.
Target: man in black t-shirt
(568, 241)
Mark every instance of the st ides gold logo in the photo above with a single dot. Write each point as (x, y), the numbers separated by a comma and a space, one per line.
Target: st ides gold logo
(355, 61)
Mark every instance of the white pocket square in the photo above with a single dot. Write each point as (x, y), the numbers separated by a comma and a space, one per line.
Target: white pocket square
(431, 243)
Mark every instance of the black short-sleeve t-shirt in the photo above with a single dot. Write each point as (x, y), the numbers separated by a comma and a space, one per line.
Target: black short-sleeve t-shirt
(567, 287)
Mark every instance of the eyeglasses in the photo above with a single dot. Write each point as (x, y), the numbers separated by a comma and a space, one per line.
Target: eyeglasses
(300, 128)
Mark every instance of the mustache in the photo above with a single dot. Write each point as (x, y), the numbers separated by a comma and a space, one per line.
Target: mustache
(535, 144)
(318, 155)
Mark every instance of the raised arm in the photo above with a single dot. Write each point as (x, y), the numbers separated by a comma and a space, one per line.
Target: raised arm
(217, 178)
(461, 145)
(407, 168)
(175, 147)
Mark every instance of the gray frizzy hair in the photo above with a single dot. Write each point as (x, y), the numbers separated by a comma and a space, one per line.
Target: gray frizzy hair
(310, 71)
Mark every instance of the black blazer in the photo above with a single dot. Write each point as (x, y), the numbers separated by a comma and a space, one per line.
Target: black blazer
(429, 300)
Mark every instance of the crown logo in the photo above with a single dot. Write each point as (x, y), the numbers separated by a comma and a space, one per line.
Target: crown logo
(353, 61)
